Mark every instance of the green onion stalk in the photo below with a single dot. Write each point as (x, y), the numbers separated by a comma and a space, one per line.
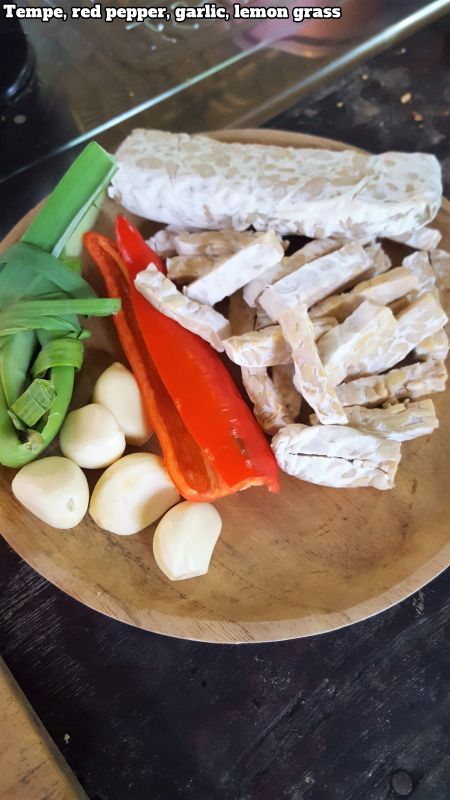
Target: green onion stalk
(42, 296)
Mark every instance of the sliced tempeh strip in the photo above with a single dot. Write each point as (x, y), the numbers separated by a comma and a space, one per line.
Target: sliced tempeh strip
(283, 380)
(163, 241)
(399, 422)
(440, 261)
(315, 280)
(336, 455)
(380, 260)
(421, 319)
(412, 381)
(435, 346)
(419, 264)
(383, 289)
(268, 405)
(198, 318)
(184, 269)
(262, 319)
(268, 401)
(357, 343)
(262, 348)
(212, 243)
(310, 378)
(240, 315)
(266, 347)
(322, 325)
(421, 239)
(232, 272)
(311, 251)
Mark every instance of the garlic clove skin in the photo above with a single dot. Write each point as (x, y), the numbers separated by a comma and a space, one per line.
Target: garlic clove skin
(117, 390)
(185, 538)
(54, 489)
(132, 493)
(91, 437)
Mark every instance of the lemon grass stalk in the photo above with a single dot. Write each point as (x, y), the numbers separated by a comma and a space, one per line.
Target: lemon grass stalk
(41, 296)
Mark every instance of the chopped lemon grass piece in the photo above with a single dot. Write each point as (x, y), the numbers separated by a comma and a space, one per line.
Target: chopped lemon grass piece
(59, 353)
(36, 400)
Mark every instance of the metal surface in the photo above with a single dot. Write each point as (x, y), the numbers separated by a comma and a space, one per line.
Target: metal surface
(93, 76)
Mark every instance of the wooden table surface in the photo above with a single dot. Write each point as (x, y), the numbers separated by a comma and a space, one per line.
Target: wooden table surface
(360, 714)
(30, 764)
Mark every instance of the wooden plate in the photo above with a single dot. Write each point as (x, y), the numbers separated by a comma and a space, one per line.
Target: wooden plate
(307, 561)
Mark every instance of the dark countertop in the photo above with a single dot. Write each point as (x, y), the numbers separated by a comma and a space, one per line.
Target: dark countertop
(141, 716)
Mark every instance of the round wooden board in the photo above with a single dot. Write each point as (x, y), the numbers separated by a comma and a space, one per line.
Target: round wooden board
(306, 561)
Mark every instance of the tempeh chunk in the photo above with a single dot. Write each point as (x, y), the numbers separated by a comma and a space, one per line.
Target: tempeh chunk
(310, 378)
(232, 272)
(197, 181)
(315, 280)
(400, 422)
(336, 455)
(198, 318)
(383, 289)
(412, 381)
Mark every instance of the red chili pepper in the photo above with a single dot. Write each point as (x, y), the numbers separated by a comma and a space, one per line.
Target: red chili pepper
(199, 384)
(186, 464)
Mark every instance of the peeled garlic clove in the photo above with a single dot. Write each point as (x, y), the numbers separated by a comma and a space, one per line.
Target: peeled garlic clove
(132, 493)
(91, 437)
(54, 489)
(117, 390)
(185, 539)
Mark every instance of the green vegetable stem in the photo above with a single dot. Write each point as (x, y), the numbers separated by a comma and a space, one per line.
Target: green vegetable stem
(42, 294)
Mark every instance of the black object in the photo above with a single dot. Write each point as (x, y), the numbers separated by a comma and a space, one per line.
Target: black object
(401, 783)
(17, 61)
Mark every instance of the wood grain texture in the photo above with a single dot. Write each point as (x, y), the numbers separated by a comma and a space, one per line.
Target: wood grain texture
(307, 561)
(30, 764)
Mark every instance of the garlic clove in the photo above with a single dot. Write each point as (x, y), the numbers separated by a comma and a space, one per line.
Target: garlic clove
(132, 493)
(117, 390)
(91, 437)
(185, 538)
(54, 489)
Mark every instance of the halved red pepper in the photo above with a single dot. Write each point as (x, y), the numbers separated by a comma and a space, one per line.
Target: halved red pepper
(186, 464)
(199, 384)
